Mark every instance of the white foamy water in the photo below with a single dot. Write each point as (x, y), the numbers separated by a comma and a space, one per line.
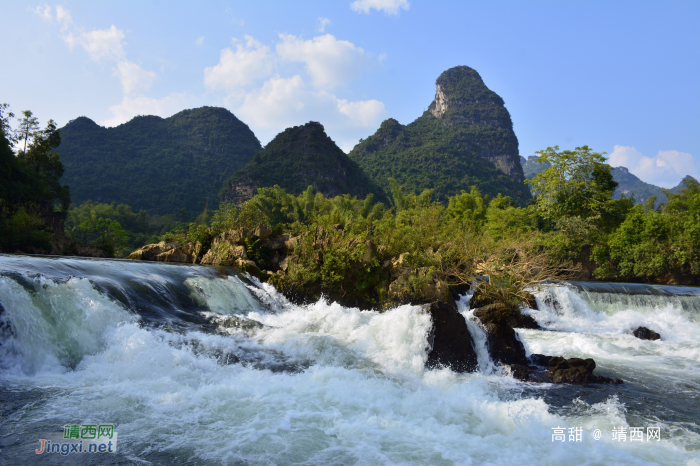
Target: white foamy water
(318, 384)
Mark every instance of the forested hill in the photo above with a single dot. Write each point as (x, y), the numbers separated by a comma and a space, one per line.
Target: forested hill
(297, 158)
(465, 138)
(158, 164)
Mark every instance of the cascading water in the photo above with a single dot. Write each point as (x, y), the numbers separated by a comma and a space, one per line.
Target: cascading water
(196, 365)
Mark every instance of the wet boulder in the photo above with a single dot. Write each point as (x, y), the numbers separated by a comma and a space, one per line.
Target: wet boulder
(503, 344)
(573, 370)
(449, 339)
(644, 333)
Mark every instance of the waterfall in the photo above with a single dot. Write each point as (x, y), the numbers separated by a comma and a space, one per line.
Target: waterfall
(202, 364)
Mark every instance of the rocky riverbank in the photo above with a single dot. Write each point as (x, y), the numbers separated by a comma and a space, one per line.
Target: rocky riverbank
(270, 257)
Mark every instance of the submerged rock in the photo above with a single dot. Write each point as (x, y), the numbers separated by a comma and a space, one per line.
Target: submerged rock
(644, 333)
(449, 338)
(573, 370)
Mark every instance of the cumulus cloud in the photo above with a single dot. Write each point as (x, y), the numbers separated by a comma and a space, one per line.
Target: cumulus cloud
(390, 7)
(284, 102)
(133, 77)
(99, 44)
(130, 107)
(666, 169)
(250, 61)
(330, 62)
(322, 23)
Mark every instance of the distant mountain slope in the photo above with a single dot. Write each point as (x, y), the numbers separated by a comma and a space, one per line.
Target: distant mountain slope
(465, 138)
(160, 165)
(297, 158)
(628, 184)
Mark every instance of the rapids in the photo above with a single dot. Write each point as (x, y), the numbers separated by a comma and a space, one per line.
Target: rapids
(175, 357)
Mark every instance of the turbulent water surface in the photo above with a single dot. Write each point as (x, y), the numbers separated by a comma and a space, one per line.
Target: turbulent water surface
(175, 357)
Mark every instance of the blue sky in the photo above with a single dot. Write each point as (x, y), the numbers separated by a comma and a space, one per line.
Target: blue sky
(622, 77)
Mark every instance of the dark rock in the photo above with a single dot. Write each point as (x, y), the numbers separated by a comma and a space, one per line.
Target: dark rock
(530, 301)
(504, 346)
(540, 359)
(501, 314)
(479, 299)
(644, 333)
(605, 380)
(520, 372)
(450, 339)
(574, 370)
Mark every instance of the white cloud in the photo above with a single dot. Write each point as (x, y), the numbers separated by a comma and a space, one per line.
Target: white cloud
(390, 7)
(64, 18)
(199, 41)
(329, 61)
(133, 76)
(624, 156)
(100, 43)
(666, 169)
(322, 23)
(133, 106)
(43, 11)
(249, 62)
(284, 102)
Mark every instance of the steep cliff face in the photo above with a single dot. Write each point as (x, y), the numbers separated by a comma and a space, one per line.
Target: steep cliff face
(295, 159)
(466, 125)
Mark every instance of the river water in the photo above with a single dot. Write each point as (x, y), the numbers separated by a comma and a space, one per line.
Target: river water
(173, 356)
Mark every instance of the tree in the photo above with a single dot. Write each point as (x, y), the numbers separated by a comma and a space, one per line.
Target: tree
(5, 128)
(42, 160)
(27, 128)
(577, 184)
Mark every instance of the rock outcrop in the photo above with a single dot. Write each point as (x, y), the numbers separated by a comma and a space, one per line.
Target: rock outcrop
(449, 339)
(417, 286)
(503, 344)
(167, 251)
(574, 370)
(644, 333)
(464, 138)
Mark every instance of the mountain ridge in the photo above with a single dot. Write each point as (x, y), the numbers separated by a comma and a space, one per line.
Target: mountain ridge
(445, 149)
(156, 164)
(299, 157)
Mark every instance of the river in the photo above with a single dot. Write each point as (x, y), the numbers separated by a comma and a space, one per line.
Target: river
(176, 359)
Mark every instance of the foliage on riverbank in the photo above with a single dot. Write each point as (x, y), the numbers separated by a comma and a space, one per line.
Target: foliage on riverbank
(32, 199)
(346, 246)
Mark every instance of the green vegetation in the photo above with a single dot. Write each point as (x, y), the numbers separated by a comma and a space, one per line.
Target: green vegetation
(116, 229)
(346, 248)
(299, 157)
(155, 164)
(628, 185)
(653, 243)
(366, 253)
(32, 200)
(453, 151)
